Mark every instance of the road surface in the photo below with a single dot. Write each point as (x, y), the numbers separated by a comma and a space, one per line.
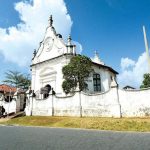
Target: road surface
(39, 138)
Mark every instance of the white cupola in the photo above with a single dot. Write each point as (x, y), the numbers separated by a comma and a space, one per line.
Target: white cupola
(96, 59)
(70, 46)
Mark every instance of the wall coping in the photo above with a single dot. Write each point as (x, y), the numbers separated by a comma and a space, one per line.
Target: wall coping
(135, 90)
(95, 94)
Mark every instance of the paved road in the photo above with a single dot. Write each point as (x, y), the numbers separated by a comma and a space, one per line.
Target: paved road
(34, 138)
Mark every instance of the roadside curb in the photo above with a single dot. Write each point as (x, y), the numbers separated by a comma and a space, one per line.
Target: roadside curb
(79, 129)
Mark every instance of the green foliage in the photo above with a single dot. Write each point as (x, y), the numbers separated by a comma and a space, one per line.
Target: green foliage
(76, 73)
(146, 81)
(17, 79)
(68, 86)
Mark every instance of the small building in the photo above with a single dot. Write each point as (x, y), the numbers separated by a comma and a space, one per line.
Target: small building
(6, 98)
(7, 91)
(12, 99)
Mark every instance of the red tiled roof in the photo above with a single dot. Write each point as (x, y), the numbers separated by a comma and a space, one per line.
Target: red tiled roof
(7, 88)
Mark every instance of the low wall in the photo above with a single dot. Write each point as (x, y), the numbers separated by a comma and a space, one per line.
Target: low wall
(67, 106)
(10, 107)
(114, 103)
(102, 105)
(134, 103)
(80, 104)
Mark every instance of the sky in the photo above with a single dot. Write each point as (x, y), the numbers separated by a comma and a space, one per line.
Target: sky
(113, 28)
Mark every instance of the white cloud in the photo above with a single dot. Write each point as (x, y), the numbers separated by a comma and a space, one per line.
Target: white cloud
(18, 42)
(132, 71)
(126, 63)
(79, 47)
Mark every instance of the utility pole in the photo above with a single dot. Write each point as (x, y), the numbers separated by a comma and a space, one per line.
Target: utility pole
(147, 48)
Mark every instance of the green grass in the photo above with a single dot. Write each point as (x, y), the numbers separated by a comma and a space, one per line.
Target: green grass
(123, 124)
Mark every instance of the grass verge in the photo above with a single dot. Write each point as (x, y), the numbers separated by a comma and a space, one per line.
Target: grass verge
(122, 124)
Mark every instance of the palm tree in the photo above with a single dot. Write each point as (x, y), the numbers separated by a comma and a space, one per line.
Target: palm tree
(25, 81)
(17, 79)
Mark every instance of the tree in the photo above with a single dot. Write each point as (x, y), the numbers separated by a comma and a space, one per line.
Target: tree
(25, 81)
(17, 79)
(146, 81)
(76, 72)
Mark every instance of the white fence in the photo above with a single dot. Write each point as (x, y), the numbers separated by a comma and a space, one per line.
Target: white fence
(135, 102)
(10, 107)
(114, 103)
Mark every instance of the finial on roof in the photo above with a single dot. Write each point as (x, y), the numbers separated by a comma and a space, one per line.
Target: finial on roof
(51, 20)
(69, 39)
(96, 58)
(96, 53)
(34, 53)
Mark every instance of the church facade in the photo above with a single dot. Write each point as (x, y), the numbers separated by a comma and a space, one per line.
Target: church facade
(53, 54)
(101, 98)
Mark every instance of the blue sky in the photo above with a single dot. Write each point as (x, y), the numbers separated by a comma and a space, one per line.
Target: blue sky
(115, 29)
(111, 27)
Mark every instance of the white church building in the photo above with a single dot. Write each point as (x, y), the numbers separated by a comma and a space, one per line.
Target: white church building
(102, 96)
(53, 54)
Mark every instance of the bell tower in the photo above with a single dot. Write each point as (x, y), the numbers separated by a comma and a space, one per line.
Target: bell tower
(70, 46)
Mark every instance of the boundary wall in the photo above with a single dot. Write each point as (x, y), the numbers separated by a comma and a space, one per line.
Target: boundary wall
(113, 103)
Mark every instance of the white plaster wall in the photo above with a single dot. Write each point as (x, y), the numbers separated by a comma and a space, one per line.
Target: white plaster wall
(67, 106)
(10, 107)
(61, 106)
(135, 103)
(28, 108)
(49, 72)
(112, 103)
(104, 104)
(80, 104)
(42, 107)
(105, 75)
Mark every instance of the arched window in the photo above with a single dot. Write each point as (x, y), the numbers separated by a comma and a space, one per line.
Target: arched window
(96, 82)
